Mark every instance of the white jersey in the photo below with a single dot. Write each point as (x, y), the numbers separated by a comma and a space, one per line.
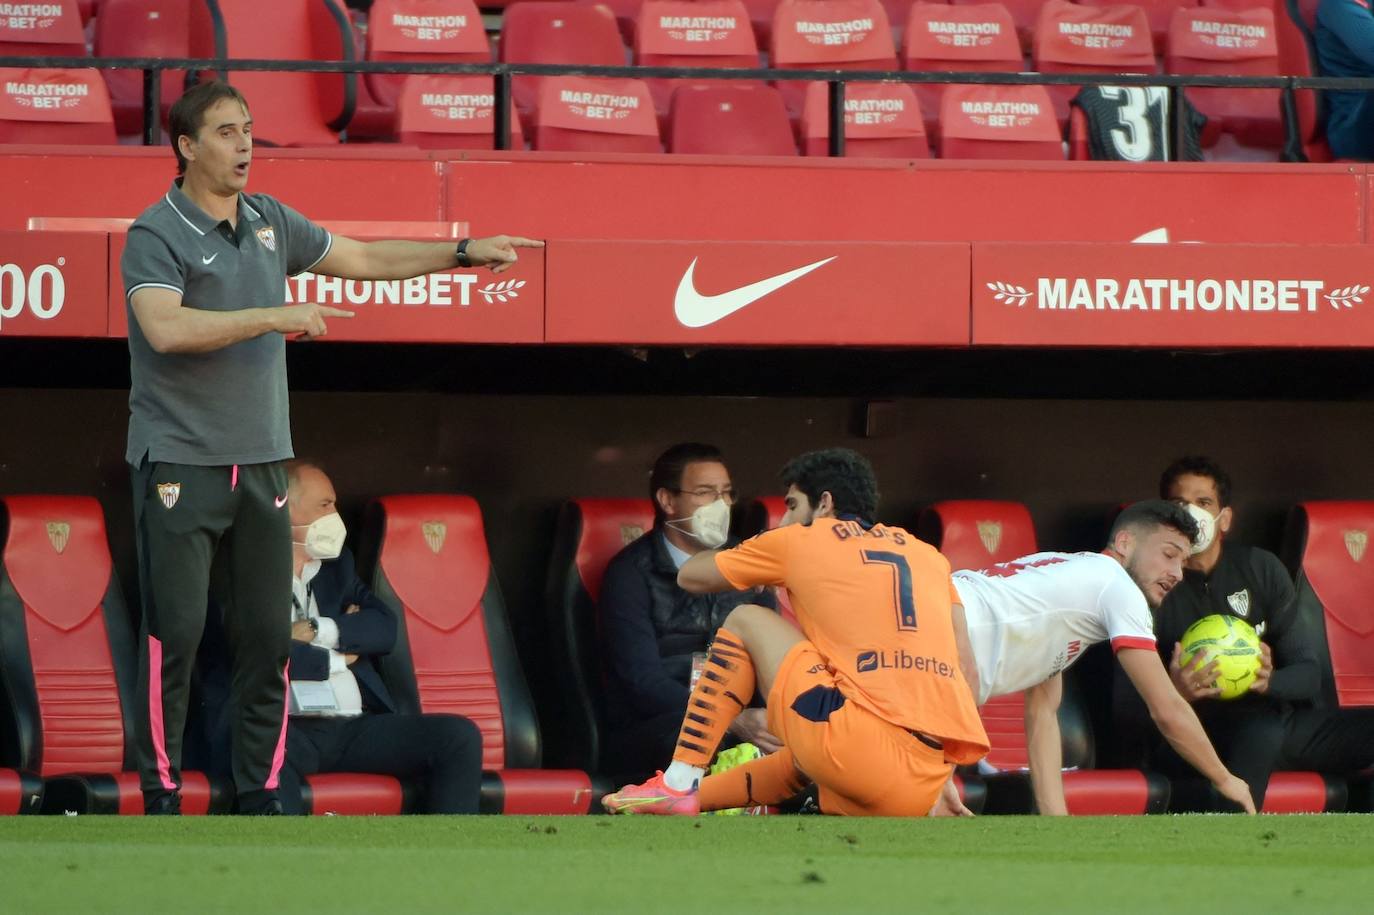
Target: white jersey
(1031, 618)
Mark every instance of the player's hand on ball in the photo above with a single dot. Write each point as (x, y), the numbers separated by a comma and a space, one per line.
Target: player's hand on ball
(751, 726)
(1235, 790)
(1266, 669)
(307, 319)
(498, 251)
(1195, 681)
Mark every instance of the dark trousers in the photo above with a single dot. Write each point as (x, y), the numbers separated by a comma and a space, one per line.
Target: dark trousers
(1333, 740)
(633, 752)
(443, 751)
(225, 532)
(1248, 736)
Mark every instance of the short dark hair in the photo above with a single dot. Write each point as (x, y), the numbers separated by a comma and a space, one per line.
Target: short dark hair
(1153, 513)
(188, 112)
(669, 466)
(1199, 466)
(843, 473)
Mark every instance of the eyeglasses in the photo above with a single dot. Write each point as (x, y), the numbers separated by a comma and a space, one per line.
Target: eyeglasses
(706, 492)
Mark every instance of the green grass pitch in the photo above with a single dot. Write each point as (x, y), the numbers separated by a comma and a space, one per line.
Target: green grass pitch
(703, 865)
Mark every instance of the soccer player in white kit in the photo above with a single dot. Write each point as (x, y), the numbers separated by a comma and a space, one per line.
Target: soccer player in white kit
(1029, 619)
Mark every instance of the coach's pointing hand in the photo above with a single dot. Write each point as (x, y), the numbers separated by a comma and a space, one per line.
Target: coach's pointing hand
(498, 251)
(307, 319)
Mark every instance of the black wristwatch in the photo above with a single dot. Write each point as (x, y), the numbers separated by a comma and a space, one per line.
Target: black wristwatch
(462, 252)
(314, 625)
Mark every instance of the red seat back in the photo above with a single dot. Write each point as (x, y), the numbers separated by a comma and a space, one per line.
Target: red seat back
(582, 114)
(141, 28)
(589, 534)
(60, 600)
(1329, 544)
(1158, 13)
(730, 121)
(27, 32)
(448, 31)
(980, 37)
(289, 109)
(1082, 39)
(554, 32)
(998, 122)
(881, 120)
(829, 35)
(54, 106)
(1230, 43)
(975, 534)
(456, 653)
(452, 112)
(1024, 13)
(693, 33)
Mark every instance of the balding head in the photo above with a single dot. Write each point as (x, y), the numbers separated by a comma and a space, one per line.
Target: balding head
(310, 490)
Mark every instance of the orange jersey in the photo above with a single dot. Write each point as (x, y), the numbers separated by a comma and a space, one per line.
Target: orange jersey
(877, 605)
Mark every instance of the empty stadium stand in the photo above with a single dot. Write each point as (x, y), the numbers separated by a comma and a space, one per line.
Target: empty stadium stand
(456, 653)
(1220, 42)
(693, 33)
(141, 28)
(554, 32)
(69, 660)
(55, 106)
(37, 33)
(422, 30)
(829, 35)
(1070, 38)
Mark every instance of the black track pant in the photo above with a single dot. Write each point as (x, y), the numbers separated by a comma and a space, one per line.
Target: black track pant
(443, 752)
(1337, 741)
(221, 532)
(1247, 734)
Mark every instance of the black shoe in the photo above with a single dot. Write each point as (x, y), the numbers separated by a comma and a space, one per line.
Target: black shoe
(258, 804)
(162, 804)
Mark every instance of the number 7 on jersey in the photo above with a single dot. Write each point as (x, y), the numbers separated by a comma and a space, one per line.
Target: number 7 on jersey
(902, 600)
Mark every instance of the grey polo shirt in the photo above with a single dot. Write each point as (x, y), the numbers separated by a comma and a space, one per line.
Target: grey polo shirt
(228, 406)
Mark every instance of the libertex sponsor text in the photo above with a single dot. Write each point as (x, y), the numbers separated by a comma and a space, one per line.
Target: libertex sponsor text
(1172, 294)
(437, 289)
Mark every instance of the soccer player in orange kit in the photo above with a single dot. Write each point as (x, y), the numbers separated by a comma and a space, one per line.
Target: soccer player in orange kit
(868, 699)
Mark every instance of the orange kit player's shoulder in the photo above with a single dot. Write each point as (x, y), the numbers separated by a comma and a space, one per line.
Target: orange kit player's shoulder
(760, 560)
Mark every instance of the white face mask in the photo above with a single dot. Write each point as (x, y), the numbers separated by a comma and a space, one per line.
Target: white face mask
(710, 524)
(1206, 528)
(324, 537)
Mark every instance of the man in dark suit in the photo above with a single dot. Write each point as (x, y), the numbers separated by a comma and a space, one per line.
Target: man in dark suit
(342, 717)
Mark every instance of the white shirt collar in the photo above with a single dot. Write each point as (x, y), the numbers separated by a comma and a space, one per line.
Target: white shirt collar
(678, 556)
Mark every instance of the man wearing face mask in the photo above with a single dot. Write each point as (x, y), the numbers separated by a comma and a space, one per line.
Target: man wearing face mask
(651, 628)
(1234, 580)
(342, 717)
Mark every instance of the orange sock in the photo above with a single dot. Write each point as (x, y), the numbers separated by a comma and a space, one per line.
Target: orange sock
(767, 780)
(725, 688)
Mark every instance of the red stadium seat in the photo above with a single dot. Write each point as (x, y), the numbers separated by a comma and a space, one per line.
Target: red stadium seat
(1081, 39)
(452, 112)
(581, 114)
(1304, 792)
(1218, 42)
(554, 32)
(998, 122)
(974, 534)
(829, 35)
(980, 37)
(1326, 545)
(70, 661)
(1159, 13)
(456, 653)
(1024, 13)
(28, 32)
(54, 106)
(141, 28)
(289, 109)
(447, 31)
(626, 14)
(881, 120)
(730, 120)
(693, 33)
(588, 535)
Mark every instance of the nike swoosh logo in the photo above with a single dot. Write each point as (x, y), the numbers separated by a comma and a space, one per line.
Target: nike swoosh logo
(206, 260)
(696, 310)
(279, 501)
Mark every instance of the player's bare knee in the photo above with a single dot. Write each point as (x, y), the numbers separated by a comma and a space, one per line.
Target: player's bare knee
(745, 618)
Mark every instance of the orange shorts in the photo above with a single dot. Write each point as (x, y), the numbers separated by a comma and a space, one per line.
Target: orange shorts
(864, 765)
